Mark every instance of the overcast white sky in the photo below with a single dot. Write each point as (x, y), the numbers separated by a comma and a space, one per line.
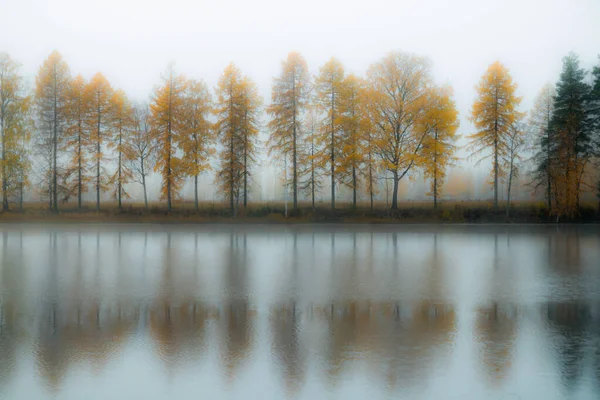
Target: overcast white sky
(131, 41)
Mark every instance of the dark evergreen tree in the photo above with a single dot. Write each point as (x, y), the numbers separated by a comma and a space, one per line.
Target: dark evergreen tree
(594, 106)
(573, 146)
(594, 120)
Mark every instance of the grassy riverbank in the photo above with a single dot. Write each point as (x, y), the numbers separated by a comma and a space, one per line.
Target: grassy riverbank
(273, 212)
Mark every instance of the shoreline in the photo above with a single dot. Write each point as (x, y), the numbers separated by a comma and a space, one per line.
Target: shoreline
(458, 213)
(264, 221)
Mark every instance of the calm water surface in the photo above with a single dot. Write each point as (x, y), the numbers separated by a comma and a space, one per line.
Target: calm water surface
(308, 312)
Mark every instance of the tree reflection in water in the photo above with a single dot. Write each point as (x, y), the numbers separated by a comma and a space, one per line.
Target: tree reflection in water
(81, 301)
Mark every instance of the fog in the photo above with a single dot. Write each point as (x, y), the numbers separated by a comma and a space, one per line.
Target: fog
(131, 42)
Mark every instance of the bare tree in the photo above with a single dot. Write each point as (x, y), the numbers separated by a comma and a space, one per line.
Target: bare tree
(515, 143)
(142, 157)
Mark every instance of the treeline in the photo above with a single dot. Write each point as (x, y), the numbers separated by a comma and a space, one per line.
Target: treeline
(331, 128)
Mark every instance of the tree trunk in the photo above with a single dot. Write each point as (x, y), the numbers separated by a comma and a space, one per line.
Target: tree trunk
(496, 149)
(496, 167)
(231, 182)
(568, 182)
(510, 175)
(119, 188)
(294, 161)
(79, 188)
(395, 192)
(144, 185)
(54, 154)
(21, 179)
(370, 179)
(98, 164)
(354, 187)
(246, 170)
(196, 192)
(169, 132)
(435, 181)
(435, 202)
(4, 182)
(50, 185)
(549, 189)
(313, 191)
(332, 151)
(312, 171)
(231, 152)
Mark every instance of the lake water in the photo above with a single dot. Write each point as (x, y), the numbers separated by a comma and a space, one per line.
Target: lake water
(305, 312)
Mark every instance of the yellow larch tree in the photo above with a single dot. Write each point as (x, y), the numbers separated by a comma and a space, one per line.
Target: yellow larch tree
(227, 127)
(99, 94)
(441, 123)
(289, 97)
(493, 113)
(398, 88)
(77, 140)
(51, 97)
(250, 111)
(15, 125)
(371, 162)
(123, 124)
(353, 124)
(328, 88)
(198, 137)
(166, 114)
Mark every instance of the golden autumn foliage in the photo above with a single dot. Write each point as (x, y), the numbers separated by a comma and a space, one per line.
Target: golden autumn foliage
(289, 98)
(354, 123)
(493, 113)
(197, 131)
(227, 128)
(15, 124)
(238, 112)
(123, 123)
(441, 123)
(360, 134)
(328, 89)
(308, 155)
(371, 164)
(99, 94)
(250, 108)
(167, 130)
(51, 97)
(398, 97)
(77, 139)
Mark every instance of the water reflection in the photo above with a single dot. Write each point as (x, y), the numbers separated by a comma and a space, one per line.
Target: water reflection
(300, 313)
(11, 288)
(497, 331)
(177, 322)
(570, 325)
(236, 325)
(286, 328)
(398, 342)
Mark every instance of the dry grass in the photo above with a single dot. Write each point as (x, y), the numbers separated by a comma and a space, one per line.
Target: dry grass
(273, 212)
